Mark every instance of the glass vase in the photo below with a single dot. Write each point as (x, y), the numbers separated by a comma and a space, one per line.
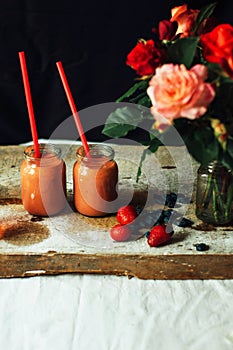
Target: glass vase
(214, 194)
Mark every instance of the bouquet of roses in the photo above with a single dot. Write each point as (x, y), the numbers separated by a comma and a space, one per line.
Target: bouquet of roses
(185, 79)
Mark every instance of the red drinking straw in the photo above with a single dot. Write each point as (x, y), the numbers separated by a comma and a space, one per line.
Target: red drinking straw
(73, 107)
(29, 103)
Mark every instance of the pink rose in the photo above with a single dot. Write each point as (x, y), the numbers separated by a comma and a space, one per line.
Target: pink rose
(176, 92)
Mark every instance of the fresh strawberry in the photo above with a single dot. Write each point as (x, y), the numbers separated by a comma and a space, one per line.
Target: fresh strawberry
(127, 214)
(158, 236)
(120, 232)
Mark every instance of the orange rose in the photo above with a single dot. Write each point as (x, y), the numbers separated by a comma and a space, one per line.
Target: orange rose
(185, 18)
(218, 47)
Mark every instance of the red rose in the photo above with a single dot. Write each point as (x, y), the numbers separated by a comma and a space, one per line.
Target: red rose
(145, 57)
(218, 47)
(167, 29)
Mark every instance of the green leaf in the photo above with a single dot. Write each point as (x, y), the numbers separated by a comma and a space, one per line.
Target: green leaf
(227, 80)
(222, 106)
(154, 145)
(230, 146)
(142, 99)
(116, 130)
(203, 145)
(227, 160)
(137, 87)
(183, 51)
(214, 70)
(204, 13)
(228, 155)
(143, 157)
(122, 120)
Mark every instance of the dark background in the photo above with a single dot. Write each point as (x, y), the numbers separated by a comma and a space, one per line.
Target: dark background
(91, 39)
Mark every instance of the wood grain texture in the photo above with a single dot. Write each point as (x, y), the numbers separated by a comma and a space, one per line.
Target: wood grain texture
(177, 267)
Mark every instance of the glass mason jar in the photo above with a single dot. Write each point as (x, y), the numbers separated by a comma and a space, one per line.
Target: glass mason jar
(43, 181)
(95, 179)
(214, 197)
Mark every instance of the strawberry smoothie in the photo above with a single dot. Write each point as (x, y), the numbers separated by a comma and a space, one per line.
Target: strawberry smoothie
(95, 181)
(43, 181)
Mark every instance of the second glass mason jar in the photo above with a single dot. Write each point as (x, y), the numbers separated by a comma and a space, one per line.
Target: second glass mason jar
(214, 197)
(95, 179)
(43, 181)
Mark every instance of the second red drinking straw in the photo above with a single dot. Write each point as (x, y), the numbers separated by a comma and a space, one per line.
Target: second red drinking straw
(73, 107)
(29, 103)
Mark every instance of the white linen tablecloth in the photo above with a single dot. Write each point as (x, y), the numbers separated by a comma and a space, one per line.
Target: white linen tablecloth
(70, 312)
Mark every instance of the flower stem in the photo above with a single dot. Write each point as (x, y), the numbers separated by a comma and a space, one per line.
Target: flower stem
(207, 193)
(215, 210)
(229, 201)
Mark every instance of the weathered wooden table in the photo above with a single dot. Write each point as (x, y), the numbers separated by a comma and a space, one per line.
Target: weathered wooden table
(72, 243)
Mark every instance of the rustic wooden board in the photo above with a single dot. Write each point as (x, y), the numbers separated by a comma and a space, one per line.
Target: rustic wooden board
(72, 243)
(132, 265)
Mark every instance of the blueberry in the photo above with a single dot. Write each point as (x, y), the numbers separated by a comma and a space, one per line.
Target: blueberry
(164, 216)
(36, 218)
(167, 213)
(159, 221)
(147, 234)
(138, 210)
(185, 223)
(201, 247)
(171, 199)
